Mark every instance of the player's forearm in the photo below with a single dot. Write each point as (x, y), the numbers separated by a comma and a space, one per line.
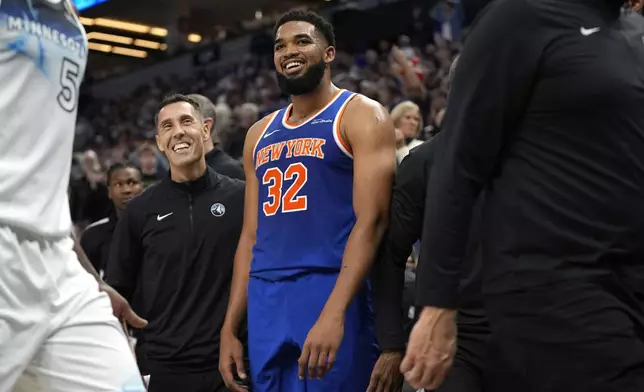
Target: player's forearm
(239, 287)
(356, 264)
(83, 260)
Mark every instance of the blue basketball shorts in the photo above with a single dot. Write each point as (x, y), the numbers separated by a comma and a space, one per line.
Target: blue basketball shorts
(280, 315)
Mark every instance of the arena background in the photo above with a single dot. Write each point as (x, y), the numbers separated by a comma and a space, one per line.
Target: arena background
(143, 50)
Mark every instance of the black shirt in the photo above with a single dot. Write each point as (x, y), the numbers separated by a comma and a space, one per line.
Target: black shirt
(405, 228)
(96, 241)
(224, 164)
(471, 9)
(87, 203)
(546, 114)
(174, 244)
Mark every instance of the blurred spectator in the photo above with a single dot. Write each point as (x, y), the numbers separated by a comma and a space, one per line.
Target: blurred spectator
(148, 161)
(223, 114)
(88, 194)
(448, 19)
(245, 116)
(409, 123)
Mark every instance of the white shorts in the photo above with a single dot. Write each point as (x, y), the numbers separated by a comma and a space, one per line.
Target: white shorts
(57, 331)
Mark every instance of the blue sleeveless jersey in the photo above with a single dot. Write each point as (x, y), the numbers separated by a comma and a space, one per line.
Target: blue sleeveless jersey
(305, 204)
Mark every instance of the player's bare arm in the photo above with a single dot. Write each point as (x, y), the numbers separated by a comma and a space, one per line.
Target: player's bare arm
(369, 131)
(231, 348)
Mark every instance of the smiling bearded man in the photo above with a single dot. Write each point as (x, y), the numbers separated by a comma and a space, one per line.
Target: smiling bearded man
(326, 161)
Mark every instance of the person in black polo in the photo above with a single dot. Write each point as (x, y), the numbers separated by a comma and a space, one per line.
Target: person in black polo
(216, 158)
(468, 374)
(124, 182)
(174, 245)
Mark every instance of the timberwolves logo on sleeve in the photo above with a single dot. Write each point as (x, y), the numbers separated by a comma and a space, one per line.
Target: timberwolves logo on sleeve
(218, 210)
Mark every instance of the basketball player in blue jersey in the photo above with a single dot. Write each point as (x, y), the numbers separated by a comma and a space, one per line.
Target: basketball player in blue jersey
(319, 176)
(57, 331)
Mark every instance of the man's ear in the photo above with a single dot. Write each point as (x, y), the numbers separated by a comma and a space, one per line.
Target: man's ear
(329, 55)
(205, 131)
(209, 122)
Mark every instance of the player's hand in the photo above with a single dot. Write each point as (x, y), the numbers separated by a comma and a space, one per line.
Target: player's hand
(431, 348)
(231, 358)
(321, 347)
(121, 308)
(386, 376)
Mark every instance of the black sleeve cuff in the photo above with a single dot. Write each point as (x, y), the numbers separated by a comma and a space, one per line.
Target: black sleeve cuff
(393, 340)
(439, 291)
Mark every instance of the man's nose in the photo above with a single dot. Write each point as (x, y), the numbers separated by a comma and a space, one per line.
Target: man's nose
(291, 51)
(178, 132)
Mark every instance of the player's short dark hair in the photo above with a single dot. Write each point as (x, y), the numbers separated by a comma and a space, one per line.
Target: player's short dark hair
(174, 98)
(206, 106)
(299, 15)
(121, 166)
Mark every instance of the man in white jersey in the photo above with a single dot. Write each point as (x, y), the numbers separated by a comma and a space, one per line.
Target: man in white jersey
(57, 331)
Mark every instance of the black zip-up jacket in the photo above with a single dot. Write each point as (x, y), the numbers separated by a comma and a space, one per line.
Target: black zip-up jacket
(174, 245)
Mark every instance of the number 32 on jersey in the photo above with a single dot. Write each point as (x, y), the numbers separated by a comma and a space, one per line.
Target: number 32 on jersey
(290, 200)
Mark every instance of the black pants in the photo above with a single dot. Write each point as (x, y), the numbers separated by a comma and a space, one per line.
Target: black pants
(572, 336)
(141, 359)
(467, 372)
(188, 382)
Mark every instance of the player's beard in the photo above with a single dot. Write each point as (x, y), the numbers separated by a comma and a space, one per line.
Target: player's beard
(302, 84)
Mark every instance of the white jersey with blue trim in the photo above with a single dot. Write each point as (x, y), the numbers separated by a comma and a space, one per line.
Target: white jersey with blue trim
(43, 53)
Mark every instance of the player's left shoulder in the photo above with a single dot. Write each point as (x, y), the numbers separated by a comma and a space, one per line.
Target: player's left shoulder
(364, 116)
(361, 107)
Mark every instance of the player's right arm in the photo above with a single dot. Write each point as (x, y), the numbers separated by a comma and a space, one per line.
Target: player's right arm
(231, 351)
